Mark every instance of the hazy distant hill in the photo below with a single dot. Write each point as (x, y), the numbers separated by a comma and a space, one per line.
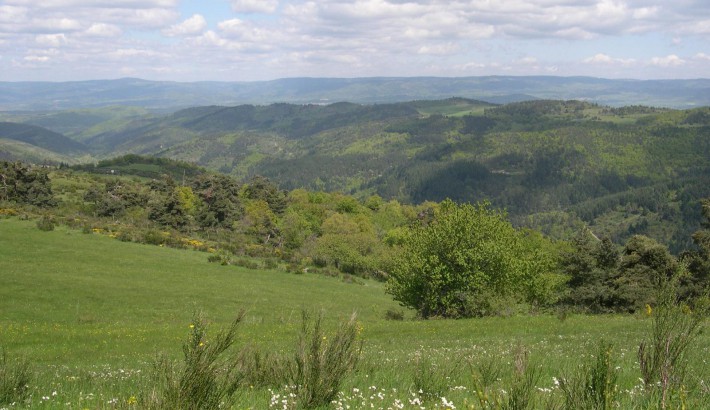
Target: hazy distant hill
(41, 137)
(163, 95)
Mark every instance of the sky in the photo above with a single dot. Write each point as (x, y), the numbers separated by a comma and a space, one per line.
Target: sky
(254, 40)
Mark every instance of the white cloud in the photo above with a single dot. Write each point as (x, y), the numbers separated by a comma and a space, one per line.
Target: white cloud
(37, 59)
(254, 6)
(358, 37)
(103, 30)
(57, 24)
(671, 60)
(64, 4)
(210, 38)
(193, 26)
(528, 60)
(605, 59)
(439, 49)
(52, 40)
(11, 14)
(132, 52)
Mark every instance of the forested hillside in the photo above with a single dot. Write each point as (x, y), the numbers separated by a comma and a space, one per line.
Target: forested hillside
(553, 165)
(439, 258)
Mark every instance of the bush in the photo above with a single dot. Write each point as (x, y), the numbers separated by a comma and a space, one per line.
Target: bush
(392, 314)
(15, 376)
(204, 379)
(525, 377)
(594, 387)
(468, 251)
(45, 223)
(321, 363)
(663, 358)
(430, 380)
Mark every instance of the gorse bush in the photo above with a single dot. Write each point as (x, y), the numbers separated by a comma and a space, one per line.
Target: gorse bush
(45, 223)
(205, 379)
(430, 379)
(15, 376)
(322, 362)
(525, 377)
(663, 358)
(593, 387)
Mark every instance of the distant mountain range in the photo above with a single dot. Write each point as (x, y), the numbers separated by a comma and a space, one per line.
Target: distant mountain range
(168, 96)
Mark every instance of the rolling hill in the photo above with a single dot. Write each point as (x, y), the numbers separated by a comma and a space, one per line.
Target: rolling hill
(498, 89)
(551, 164)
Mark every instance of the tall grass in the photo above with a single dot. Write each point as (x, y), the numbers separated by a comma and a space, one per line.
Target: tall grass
(15, 376)
(594, 386)
(205, 379)
(663, 358)
(320, 363)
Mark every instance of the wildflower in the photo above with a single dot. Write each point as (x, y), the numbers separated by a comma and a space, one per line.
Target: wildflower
(132, 401)
(649, 310)
(447, 404)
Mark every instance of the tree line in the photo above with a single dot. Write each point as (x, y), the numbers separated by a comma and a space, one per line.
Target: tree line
(443, 259)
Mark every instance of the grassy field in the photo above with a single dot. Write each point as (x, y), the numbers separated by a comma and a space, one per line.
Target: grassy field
(91, 313)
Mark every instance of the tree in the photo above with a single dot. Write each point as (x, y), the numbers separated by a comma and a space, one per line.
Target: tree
(219, 203)
(698, 259)
(261, 188)
(25, 185)
(646, 266)
(168, 210)
(455, 264)
(592, 267)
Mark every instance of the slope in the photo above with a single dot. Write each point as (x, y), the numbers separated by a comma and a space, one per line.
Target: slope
(41, 137)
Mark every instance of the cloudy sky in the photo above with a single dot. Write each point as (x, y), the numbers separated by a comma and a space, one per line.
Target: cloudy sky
(235, 40)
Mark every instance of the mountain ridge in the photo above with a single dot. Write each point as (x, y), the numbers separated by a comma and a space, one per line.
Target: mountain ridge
(171, 95)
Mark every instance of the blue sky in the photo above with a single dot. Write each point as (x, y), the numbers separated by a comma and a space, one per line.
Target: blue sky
(247, 40)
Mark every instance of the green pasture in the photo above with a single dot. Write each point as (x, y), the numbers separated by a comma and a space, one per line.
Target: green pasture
(91, 313)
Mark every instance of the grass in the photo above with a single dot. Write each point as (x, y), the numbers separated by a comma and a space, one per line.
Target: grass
(91, 313)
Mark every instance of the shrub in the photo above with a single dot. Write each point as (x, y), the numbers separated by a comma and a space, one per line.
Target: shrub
(430, 380)
(392, 314)
(663, 358)
(594, 387)
(321, 363)
(204, 379)
(45, 223)
(525, 376)
(15, 376)
(153, 237)
(262, 369)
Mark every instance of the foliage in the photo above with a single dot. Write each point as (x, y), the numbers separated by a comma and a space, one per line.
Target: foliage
(467, 251)
(594, 386)
(24, 184)
(592, 265)
(322, 362)
(525, 377)
(664, 357)
(45, 223)
(220, 204)
(15, 376)
(204, 380)
(646, 266)
(698, 260)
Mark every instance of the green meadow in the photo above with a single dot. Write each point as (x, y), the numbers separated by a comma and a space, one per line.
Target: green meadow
(91, 314)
